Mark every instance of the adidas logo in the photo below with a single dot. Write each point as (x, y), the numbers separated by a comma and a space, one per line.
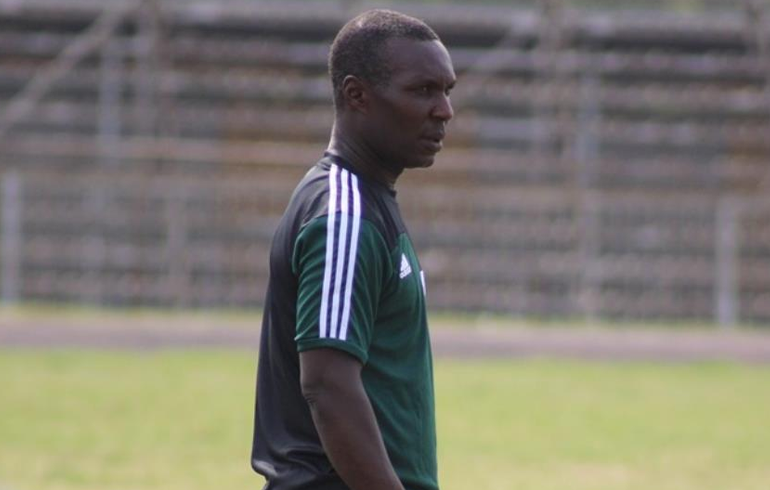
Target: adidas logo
(406, 269)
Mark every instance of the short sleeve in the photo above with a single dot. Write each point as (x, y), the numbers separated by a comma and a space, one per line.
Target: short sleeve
(340, 263)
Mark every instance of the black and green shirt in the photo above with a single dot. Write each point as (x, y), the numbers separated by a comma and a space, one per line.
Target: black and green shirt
(344, 274)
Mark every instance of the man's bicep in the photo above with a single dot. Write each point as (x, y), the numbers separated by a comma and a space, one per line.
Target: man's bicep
(340, 277)
(320, 367)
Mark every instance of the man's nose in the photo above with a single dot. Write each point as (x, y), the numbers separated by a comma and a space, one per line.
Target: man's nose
(443, 109)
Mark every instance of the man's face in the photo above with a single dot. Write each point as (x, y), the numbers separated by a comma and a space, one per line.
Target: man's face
(406, 120)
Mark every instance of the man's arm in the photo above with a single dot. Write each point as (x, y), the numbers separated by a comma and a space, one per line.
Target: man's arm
(344, 418)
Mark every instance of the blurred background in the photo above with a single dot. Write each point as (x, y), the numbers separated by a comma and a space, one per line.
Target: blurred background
(608, 159)
(608, 166)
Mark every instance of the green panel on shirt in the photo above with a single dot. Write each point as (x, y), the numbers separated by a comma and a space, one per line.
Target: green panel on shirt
(387, 331)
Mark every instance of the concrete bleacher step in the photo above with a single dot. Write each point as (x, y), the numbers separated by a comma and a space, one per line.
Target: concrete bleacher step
(523, 166)
(207, 120)
(496, 95)
(652, 64)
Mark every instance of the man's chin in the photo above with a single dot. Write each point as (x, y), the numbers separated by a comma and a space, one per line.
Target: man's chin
(425, 161)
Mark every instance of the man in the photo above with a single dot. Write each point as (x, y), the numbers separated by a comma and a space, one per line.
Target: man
(345, 383)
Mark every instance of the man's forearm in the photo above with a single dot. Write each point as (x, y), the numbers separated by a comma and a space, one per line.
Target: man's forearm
(351, 438)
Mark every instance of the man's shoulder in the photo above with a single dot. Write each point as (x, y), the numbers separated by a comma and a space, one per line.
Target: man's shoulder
(328, 188)
(311, 195)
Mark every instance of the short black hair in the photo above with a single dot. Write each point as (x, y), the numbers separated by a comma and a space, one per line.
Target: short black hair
(357, 48)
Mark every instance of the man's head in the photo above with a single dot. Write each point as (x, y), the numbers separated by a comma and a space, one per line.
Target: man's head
(391, 78)
(358, 48)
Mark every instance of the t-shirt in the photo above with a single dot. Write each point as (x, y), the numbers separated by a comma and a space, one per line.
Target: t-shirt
(344, 275)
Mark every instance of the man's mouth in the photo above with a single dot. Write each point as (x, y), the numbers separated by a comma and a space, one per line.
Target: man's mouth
(434, 145)
(434, 141)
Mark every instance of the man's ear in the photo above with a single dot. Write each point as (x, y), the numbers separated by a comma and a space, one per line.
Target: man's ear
(355, 94)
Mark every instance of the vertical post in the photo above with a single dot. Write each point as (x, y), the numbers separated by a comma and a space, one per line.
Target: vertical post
(586, 152)
(586, 142)
(146, 74)
(545, 108)
(757, 15)
(176, 242)
(110, 95)
(156, 117)
(93, 248)
(11, 237)
(589, 222)
(726, 290)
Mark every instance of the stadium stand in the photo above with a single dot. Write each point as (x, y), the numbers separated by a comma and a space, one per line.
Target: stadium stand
(605, 162)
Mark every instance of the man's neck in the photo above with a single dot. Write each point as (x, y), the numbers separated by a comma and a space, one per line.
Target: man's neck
(363, 160)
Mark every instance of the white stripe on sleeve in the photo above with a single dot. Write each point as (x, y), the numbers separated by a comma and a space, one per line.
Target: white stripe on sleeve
(351, 259)
(341, 244)
(332, 211)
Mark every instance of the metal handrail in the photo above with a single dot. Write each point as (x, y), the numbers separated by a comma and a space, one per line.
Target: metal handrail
(23, 103)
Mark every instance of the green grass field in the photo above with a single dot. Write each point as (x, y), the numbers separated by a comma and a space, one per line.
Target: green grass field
(178, 420)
